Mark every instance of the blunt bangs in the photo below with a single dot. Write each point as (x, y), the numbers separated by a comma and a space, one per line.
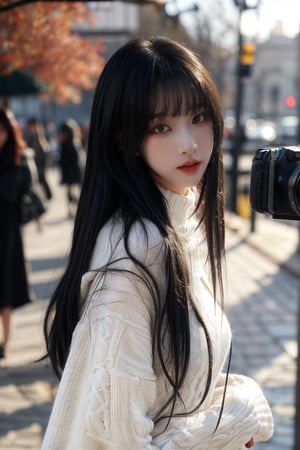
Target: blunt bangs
(175, 96)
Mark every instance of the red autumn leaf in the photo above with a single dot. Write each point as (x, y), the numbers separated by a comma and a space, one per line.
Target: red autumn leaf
(38, 38)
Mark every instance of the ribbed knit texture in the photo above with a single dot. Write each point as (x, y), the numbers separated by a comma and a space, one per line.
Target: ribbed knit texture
(112, 387)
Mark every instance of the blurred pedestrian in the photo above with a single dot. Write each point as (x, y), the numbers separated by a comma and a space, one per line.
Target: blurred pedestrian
(15, 181)
(136, 326)
(71, 161)
(36, 139)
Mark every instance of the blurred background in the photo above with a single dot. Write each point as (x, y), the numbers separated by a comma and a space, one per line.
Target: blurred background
(52, 53)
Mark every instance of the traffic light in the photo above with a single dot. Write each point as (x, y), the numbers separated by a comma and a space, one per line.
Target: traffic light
(247, 58)
(290, 101)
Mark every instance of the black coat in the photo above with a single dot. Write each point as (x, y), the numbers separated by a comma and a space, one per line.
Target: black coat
(14, 182)
(71, 171)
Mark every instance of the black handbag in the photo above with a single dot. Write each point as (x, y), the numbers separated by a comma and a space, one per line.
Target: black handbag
(32, 207)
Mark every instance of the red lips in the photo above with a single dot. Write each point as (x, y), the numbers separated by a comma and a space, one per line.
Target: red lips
(190, 166)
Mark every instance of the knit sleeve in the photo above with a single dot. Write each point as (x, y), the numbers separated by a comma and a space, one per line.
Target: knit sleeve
(120, 310)
(246, 414)
(121, 382)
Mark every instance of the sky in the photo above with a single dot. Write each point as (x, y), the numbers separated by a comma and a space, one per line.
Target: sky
(271, 11)
(262, 20)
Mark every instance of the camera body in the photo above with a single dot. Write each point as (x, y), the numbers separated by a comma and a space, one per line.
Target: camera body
(275, 182)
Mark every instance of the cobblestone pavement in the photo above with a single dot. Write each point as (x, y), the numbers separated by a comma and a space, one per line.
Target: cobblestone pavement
(262, 296)
(262, 309)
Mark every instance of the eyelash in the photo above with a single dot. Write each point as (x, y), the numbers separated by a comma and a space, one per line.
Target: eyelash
(155, 130)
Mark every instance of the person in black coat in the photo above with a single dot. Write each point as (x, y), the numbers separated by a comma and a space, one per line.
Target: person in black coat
(71, 161)
(36, 139)
(15, 179)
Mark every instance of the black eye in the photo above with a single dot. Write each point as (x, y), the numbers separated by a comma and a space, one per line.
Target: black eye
(199, 118)
(160, 128)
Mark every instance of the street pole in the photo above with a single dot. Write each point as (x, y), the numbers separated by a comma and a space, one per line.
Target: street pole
(244, 64)
(238, 110)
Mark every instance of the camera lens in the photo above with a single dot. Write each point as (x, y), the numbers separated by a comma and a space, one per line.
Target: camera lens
(294, 190)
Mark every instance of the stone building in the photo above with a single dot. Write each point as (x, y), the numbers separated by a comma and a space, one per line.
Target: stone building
(271, 92)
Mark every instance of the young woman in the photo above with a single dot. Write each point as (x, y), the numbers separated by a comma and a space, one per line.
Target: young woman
(15, 180)
(135, 327)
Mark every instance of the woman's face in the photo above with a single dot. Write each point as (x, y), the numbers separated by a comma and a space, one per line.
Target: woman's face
(3, 135)
(178, 149)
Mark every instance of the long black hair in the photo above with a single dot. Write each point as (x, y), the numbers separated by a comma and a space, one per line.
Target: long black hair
(140, 75)
(15, 143)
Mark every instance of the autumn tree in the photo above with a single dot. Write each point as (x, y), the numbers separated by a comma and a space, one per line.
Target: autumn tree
(38, 37)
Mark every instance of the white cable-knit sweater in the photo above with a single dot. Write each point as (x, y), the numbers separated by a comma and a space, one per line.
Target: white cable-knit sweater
(112, 387)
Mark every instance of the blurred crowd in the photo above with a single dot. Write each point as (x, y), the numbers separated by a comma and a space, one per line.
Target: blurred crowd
(62, 146)
(26, 154)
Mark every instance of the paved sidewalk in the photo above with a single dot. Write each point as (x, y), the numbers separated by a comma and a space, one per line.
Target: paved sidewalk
(278, 240)
(262, 296)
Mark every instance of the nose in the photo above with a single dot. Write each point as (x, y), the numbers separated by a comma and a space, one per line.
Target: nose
(186, 143)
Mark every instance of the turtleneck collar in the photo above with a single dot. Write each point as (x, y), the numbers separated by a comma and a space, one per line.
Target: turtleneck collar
(181, 208)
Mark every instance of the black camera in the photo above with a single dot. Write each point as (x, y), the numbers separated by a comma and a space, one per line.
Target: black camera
(275, 182)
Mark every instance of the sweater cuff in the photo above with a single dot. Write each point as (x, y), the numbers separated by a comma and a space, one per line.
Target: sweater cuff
(249, 393)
